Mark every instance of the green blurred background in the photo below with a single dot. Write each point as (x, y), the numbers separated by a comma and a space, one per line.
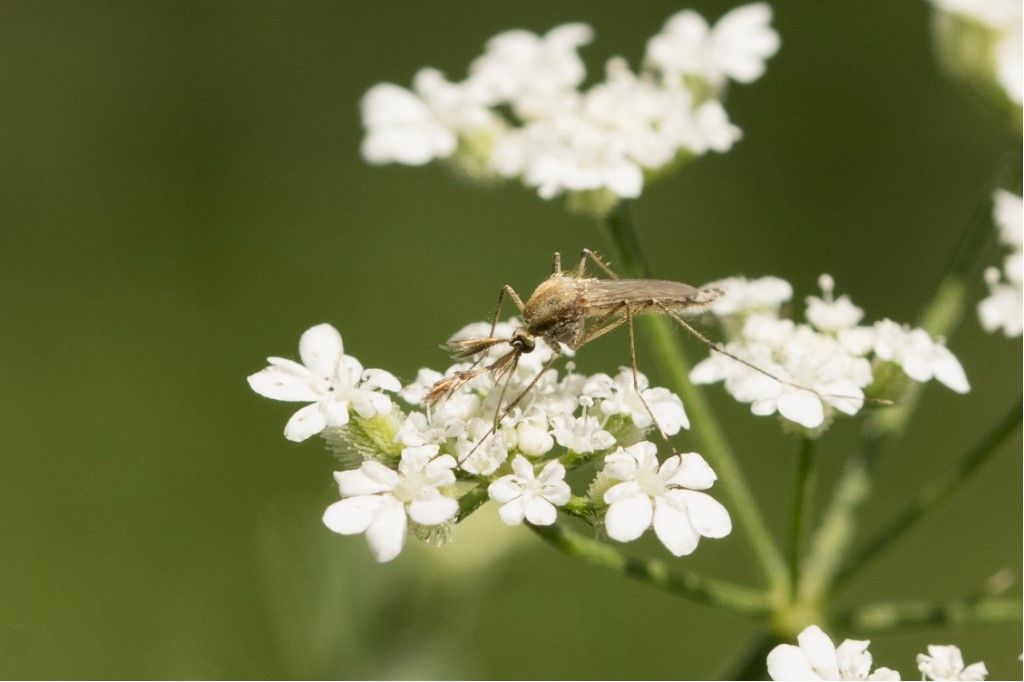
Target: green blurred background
(183, 195)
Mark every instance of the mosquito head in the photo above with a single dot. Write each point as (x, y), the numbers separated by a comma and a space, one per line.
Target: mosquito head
(523, 341)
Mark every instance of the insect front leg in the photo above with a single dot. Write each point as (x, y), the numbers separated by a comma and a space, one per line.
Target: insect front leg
(636, 381)
(597, 260)
(506, 290)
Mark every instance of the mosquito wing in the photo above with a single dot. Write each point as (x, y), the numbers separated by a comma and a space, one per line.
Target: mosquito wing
(605, 293)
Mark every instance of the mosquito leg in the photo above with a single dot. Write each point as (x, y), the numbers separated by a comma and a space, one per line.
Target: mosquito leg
(718, 348)
(556, 263)
(602, 326)
(508, 408)
(598, 261)
(504, 388)
(636, 381)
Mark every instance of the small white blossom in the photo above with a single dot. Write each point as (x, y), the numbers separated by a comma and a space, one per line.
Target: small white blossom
(821, 372)
(1000, 51)
(919, 356)
(947, 663)
(741, 296)
(817, 658)
(736, 48)
(523, 495)
(831, 315)
(330, 380)
(581, 434)
(1002, 309)
(523, 114)
(664, 497)
(618, 396)
(376, 499)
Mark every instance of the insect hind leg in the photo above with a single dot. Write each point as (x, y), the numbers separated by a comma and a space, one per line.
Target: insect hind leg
(597, 260)
(636, 381)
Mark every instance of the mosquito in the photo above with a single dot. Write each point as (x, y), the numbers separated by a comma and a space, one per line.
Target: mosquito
(571, 309)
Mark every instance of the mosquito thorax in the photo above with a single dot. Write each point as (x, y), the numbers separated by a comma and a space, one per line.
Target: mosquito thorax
(554, 310)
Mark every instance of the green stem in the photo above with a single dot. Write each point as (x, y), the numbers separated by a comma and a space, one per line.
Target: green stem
(803, 471)
(471, 500)
(688, 585)
(704, 426)
(934, 494)
(750, 663)
(884, 427)
(874, 618)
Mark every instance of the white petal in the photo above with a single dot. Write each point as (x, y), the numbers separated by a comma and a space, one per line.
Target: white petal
(432, 510)
(439, 471)
(552, 472)
(820, 651)
(352, 515)
(386, 533)
(522, 468)
(416, 458)
(628, 518)
(802, 407)
(335, 412)
(381, 380)
(557, 493)
(539, 511)
(307, 422)
(512, 512)
(787, 662)
(320, 349)
(505, 489)
(694, 472)
(369, 479)
(975, 671)
(949, 371)
(708, 516)
(622, 491)
(885, 675)
(292, 383)
(672, 526)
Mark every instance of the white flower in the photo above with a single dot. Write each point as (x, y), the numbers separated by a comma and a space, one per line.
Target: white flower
(665, 497)
(919, 356)
(816, 658)
(376, 499)
(947, 663)
(741, 296)
(401, 128)
(832, 315)
(1002, 47)
(821, 371)
(532, 73)
(581, 434)
(329, 379)
(618, 396)
(1009, 216)
(736, 48)
(1002, 308)
(523, 495)
(479, 453)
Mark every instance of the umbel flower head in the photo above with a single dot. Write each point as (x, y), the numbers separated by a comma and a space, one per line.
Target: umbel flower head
(827, 364)
(817, 658)
(982, 41)
(947, 663)
(400, 468)
(1001, 310)
(521, 114)
(666, 496)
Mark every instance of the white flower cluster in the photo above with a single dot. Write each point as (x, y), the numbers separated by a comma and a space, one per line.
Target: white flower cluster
(405, 477)
(817, 658)
(1001, 309)
(827, 363)
(998, 49)
(520, 113)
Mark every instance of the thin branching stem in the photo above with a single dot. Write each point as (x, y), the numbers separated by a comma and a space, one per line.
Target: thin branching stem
(704, 426)
(686, 584)
(934, 494)
(883, 617)
(805, 460)
(884, 428)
